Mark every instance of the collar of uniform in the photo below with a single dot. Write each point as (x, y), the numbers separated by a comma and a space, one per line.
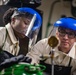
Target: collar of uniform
(11, 33)
(72, 52)
(58, 53)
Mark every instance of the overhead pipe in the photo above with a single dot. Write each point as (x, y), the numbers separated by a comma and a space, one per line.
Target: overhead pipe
(50, 15)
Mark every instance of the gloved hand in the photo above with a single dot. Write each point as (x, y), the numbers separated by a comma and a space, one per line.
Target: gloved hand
(5, 55)
(14, 60)
(26, 60)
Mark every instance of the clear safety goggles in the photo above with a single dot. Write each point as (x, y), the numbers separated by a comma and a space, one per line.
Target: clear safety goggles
(70, 33)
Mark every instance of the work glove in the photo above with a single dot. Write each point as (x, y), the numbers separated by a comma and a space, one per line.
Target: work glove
(14, 60)
(5, 55)
(26, 60)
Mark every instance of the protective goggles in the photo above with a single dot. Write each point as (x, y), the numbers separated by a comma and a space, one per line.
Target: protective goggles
(70, 33)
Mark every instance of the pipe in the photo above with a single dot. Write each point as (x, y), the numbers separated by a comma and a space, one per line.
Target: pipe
(50, 15)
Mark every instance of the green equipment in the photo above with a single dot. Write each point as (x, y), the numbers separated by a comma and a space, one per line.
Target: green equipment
(24, 69)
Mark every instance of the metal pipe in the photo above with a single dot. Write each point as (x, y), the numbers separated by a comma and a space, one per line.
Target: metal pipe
(50, 15)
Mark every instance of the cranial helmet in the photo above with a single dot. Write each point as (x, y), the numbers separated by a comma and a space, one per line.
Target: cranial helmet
(66, 22)
(34, 25)
(35, 20)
